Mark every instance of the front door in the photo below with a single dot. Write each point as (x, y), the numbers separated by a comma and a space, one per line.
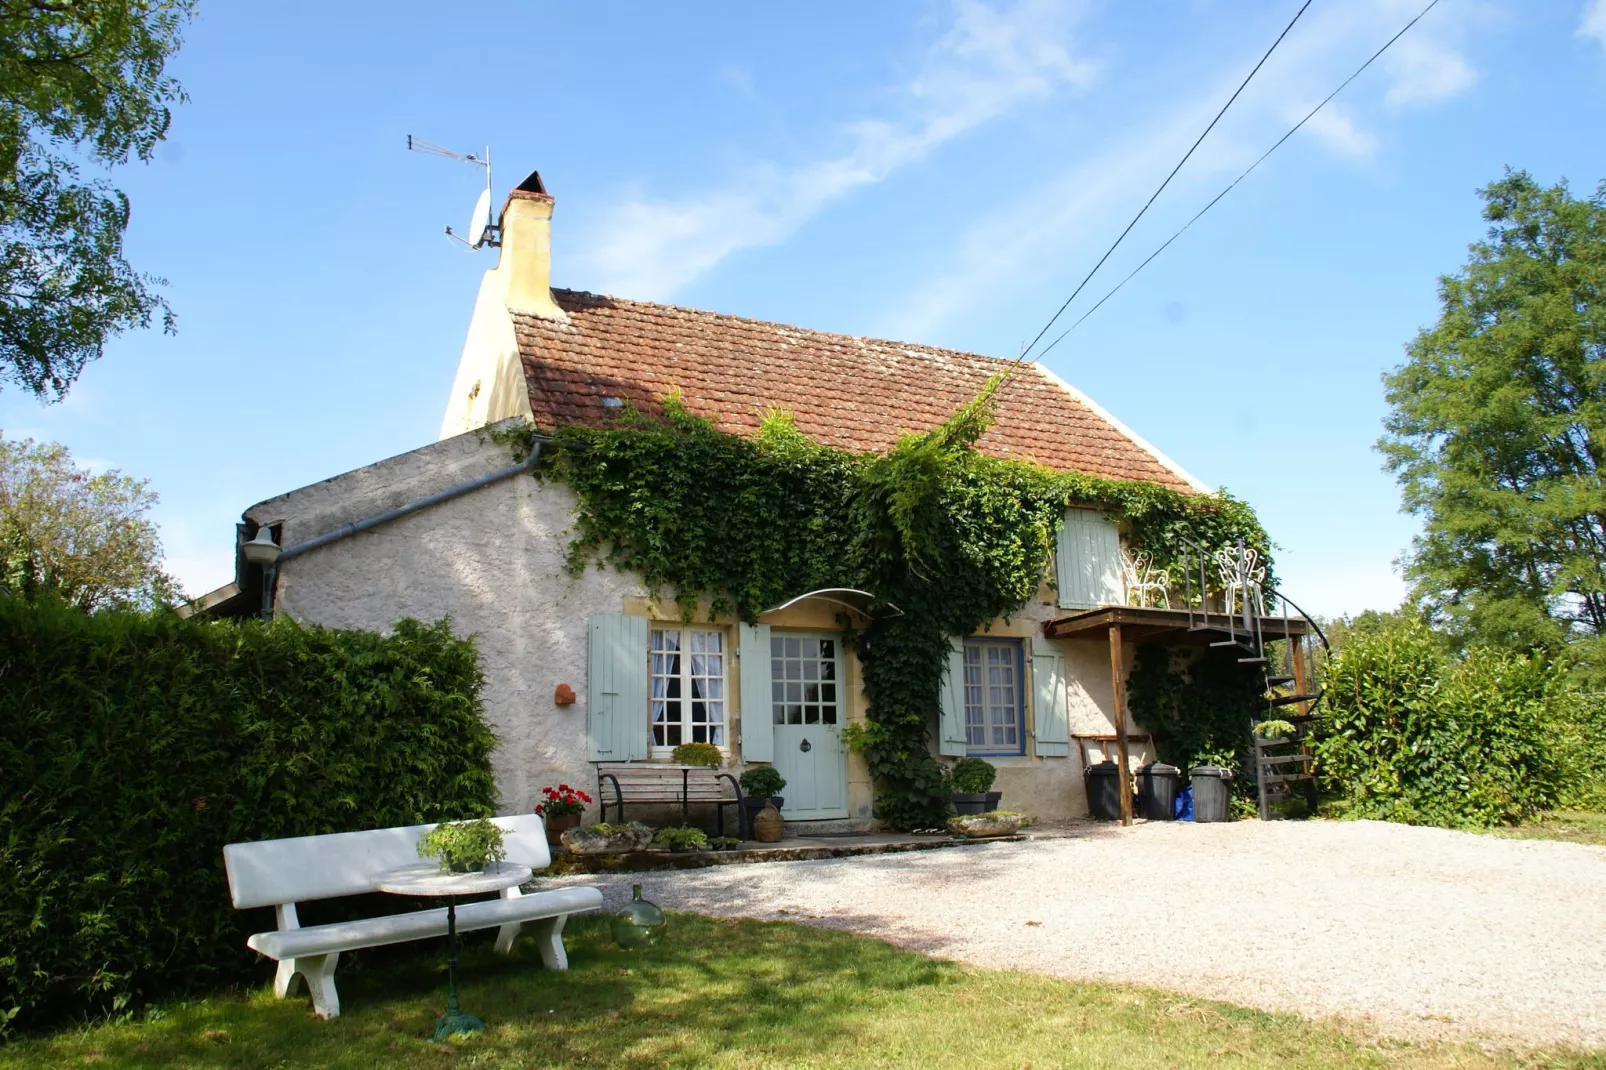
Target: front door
(810, 707)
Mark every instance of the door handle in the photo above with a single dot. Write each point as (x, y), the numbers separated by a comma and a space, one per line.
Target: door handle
(805, 746)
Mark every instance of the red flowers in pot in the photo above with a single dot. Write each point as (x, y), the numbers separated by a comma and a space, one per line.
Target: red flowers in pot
(562, 801)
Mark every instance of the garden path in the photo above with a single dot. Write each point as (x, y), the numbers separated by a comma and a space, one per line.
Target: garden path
(1414, 932)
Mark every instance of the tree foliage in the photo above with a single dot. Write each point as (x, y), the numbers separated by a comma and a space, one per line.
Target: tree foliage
(81, 538)
(953, 538)
(82, 82)
(1497, 428)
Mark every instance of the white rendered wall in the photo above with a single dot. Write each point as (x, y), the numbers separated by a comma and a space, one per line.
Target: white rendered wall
(493, 561)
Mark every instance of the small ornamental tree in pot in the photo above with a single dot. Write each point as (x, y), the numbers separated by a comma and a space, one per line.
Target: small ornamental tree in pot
(972, 780)
(761, 785)
(560, 811)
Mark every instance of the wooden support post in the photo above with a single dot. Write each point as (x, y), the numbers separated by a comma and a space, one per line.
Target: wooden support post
(1299, 672)
(1118, 679)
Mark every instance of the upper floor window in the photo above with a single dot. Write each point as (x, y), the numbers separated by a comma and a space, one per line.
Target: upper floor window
(686, 700)
(995, 705)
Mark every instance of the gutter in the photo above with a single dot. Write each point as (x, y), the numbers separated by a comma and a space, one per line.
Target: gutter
(270, 574)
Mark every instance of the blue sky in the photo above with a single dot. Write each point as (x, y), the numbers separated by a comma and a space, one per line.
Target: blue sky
(942, 172)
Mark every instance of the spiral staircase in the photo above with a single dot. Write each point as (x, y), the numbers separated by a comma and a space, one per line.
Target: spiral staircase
(1253, 621)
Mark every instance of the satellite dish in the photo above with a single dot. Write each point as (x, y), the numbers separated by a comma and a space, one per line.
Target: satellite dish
(480, 221)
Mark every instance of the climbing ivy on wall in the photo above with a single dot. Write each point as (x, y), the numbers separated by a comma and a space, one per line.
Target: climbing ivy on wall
(1198, 703)
(953, 538)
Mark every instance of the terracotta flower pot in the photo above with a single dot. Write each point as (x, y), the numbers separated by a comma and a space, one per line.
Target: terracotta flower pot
(557, 825)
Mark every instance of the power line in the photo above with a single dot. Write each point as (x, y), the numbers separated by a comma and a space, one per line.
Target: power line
(1278, 144)
(1163, 185)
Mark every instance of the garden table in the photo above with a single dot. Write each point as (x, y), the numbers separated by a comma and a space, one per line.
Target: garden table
(428, 879)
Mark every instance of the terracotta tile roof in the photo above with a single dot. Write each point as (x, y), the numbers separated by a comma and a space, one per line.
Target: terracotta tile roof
(852, 393)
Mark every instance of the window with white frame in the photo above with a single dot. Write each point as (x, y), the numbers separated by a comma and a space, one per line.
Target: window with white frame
(803, 680)
(995, 708)
(687, 696)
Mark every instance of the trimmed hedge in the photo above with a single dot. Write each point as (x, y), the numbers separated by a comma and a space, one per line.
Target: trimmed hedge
(134, 746)
(1409, 733)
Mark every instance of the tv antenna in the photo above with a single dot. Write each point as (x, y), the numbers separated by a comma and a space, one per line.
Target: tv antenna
(481, 230)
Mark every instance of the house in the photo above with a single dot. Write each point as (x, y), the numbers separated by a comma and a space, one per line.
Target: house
(457, 528)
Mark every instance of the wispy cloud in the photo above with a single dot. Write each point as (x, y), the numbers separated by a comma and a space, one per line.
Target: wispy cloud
(1594, 21)
(1073, 211)
(991, 60)
(1336, 129)
(1427, 71)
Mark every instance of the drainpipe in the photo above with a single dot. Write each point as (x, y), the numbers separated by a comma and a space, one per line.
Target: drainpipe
(270, 575)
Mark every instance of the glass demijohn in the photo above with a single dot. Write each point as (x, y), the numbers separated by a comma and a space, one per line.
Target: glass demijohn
(638, 923)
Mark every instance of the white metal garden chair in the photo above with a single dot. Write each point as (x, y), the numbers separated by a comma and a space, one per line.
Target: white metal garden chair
(1243, 575)
(1142, 577)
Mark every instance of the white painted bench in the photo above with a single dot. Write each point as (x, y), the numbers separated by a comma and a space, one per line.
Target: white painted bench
(282, 873)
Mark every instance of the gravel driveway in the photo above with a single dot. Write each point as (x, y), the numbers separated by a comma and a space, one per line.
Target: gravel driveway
(1417, 932)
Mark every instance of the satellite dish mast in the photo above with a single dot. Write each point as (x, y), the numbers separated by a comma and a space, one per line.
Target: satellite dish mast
(481, 230)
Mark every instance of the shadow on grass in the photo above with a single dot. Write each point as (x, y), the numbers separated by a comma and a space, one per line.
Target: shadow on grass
(733, 993)
(712, 986)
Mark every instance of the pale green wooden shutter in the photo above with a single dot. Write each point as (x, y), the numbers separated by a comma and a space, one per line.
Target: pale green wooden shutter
(1088, 560)
(951, 727)
(1053, 732)
(758, 710)
(616, 688)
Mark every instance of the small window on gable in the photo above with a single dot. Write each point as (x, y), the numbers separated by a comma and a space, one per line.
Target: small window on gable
(995, 701)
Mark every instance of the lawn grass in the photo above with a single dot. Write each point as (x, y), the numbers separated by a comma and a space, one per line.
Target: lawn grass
(722, 993)
(1569, 826)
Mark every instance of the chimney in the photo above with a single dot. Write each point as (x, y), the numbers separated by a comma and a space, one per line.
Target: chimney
(527, 250)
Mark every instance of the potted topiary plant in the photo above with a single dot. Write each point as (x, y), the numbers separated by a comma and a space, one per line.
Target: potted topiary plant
(971, 781)
(705, 755)
(463, 846)
(681, 840)
(760, 785)
(561, 811)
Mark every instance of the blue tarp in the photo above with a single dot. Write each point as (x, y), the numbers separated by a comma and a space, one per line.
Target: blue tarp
(1183, 809)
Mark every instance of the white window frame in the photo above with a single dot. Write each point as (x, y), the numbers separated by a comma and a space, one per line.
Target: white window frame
(689, 658)
(979, 694)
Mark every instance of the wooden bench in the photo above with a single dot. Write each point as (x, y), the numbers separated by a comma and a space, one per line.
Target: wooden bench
(281, 873)
(660, 782)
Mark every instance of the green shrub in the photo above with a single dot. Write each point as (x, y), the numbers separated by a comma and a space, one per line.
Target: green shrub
(762, 781)
(703, 754)
(972, 776)
(463, 846)
(134, 746)
(1581, 739)
(1408, 733)
(681, 839)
